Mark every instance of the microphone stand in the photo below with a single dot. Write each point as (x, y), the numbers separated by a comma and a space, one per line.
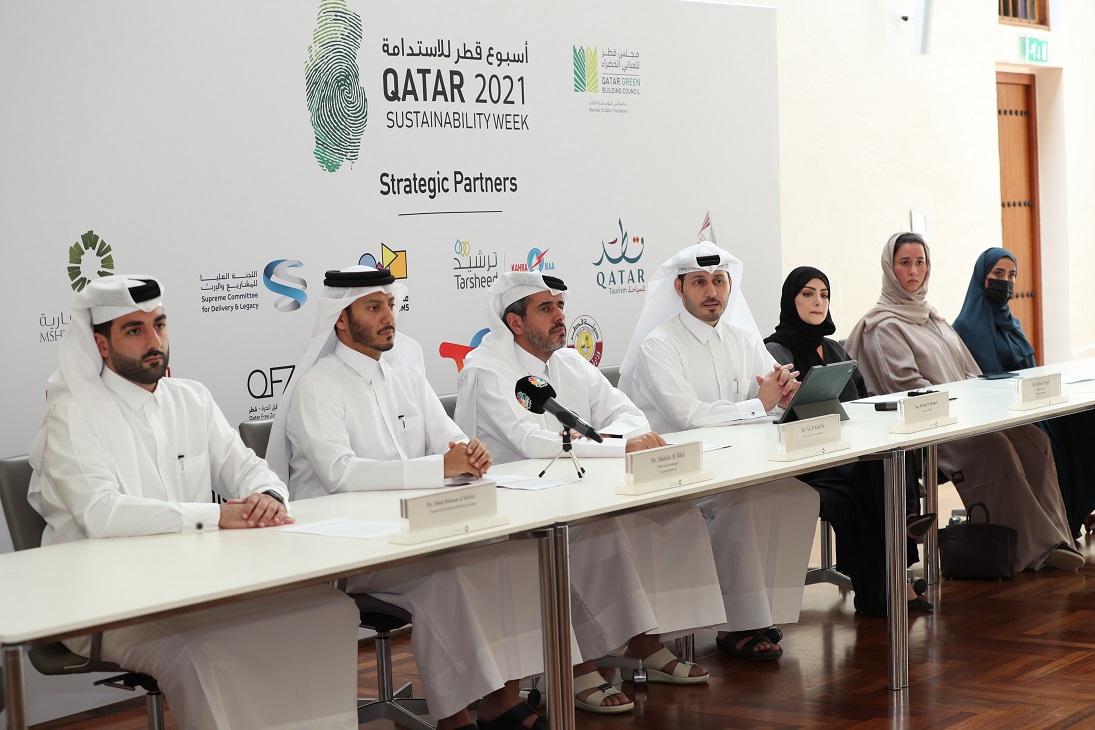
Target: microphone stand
(567, 449)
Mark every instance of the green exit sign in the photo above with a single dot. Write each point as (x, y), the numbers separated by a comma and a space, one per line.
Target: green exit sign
(1036, 50)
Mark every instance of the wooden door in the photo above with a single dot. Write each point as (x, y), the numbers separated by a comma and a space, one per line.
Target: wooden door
(1017, 128)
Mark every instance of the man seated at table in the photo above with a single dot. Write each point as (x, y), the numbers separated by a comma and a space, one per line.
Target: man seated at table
(688, 366)
(123, 451)
(636, 580)
(359, 415)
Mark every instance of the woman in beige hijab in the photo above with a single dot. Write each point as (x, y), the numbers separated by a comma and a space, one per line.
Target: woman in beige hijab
(903, 343)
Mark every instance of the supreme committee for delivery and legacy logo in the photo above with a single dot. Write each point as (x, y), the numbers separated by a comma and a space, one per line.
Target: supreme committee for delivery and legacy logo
(337, 104)
(292, 289)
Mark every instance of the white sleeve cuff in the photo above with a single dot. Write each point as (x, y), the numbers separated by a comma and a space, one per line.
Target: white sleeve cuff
(200, 517)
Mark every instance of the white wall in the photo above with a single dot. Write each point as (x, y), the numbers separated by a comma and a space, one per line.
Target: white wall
(869, 130)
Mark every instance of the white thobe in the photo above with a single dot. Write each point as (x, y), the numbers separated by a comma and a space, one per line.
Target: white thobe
(688, 375)
(487, 408)
(288, 661)
(625, 572)
(705, 375)
(355, 424)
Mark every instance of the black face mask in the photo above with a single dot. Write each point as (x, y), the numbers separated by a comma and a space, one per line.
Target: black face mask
(999, 291)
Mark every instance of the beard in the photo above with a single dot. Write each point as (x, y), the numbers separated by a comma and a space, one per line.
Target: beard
(136, 370)
(547, 342)
(701, 312)
(361, 335)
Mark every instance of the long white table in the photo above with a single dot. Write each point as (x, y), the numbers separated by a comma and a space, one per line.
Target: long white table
(128, 580)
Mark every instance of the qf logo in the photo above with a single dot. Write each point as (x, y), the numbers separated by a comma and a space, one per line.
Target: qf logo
(267, 379)
(292, 290)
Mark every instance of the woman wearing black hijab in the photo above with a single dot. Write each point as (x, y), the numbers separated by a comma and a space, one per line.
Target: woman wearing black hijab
(851, 495)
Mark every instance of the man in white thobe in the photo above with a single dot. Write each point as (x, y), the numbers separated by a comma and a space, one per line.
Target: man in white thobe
(359, 415)
(627, 582)
(696, 361)
(124, 451)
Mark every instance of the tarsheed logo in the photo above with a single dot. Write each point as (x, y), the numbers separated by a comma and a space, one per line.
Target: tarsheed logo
(336, 99)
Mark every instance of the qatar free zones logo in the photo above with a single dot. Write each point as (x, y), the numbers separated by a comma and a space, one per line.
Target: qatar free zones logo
(337, 104)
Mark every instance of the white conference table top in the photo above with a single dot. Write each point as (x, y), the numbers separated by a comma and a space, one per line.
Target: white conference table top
(68, 589)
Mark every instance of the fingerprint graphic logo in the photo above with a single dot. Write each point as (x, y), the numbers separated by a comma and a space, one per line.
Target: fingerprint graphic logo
(292, 290)
(336, 100)
(89, 258)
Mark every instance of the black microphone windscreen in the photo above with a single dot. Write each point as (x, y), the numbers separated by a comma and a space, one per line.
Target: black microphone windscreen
(532, 393)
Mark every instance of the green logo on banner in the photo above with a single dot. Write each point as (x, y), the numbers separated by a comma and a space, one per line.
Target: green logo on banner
(336, 100)
(89, 258)
(585, 69)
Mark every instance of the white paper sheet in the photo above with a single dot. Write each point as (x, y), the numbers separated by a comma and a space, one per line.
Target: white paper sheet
(531, 484)
(338, 527)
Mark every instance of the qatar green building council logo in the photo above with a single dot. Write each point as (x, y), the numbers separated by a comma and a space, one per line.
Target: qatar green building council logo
(336, 99)
(89, 258)
(585, 69)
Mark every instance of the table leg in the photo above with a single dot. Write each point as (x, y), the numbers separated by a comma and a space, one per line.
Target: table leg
(931, 504)
(898, 608)
(13, 681)
(555, 605)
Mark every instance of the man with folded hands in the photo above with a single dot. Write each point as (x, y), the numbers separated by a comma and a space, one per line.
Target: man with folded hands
(359, 415)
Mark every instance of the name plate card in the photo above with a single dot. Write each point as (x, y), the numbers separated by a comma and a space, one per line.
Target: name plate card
(1038, 391)
(451, 512)
(921, 412)
(808, 437)
(663, 467)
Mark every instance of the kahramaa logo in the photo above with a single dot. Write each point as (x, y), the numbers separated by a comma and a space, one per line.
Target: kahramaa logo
(536, 262)
(277, 279)
(89, 258)
(585, 337)
(615, 276)
(337, 104)
(586, 73)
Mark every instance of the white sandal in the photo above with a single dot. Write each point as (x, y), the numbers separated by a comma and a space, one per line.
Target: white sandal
(592, 703)
(680, 673)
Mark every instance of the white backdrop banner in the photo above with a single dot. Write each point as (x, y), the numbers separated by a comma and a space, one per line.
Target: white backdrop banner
(238, 150)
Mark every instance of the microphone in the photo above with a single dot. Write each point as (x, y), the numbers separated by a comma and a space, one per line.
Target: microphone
(537, 395)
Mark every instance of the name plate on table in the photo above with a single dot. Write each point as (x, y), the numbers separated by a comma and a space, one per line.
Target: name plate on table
(809, 437)
(663, 467)
(1038, 391)
(921, 412)
(452, 512)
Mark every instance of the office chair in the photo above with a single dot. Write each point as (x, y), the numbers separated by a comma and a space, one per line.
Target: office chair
(256, 435)
(396, 705)
(26, 526)
(449, 402)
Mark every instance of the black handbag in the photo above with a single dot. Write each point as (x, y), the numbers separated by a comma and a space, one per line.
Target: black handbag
(978, 549)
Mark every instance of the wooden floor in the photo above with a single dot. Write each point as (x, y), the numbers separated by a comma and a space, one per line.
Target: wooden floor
(1017, 654)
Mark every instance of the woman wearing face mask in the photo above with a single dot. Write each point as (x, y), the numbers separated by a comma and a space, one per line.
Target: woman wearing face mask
(852, 494)
(902, 343)
(998, 344)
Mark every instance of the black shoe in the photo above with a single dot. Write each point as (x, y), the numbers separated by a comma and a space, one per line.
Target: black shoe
(920, 604)
(916, 526)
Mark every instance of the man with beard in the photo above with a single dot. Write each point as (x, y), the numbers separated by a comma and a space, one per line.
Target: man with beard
(359, 415)
(695, 360)
(627, 585)
(125, 451)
